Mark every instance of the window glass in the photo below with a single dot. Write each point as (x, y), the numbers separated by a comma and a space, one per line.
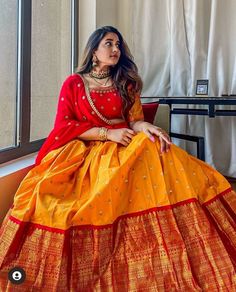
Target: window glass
(8, 69)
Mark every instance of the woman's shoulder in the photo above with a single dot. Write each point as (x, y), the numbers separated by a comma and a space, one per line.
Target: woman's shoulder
(73, 80)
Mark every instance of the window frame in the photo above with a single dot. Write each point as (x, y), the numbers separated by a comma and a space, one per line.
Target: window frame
(23, 84)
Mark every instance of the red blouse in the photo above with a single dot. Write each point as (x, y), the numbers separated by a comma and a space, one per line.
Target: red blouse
(75, 115)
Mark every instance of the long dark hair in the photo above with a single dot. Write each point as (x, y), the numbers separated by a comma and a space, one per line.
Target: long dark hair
(124, 73)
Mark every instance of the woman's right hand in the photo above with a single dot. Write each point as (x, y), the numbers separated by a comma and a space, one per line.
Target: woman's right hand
(122, 136)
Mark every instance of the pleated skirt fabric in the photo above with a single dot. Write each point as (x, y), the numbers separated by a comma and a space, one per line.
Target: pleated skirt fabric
(97, 216)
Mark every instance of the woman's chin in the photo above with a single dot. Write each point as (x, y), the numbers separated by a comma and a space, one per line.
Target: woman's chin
(113, 62)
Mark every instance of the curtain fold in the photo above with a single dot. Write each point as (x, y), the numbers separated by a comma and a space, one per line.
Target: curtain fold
(176, 42)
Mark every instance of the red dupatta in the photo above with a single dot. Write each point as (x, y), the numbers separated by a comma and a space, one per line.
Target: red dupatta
(74, 116)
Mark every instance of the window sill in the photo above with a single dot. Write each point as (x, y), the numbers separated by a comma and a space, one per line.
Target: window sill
(11, 175)
(16, 165)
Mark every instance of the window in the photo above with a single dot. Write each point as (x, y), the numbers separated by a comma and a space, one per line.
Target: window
(8, 61)
(39, 50)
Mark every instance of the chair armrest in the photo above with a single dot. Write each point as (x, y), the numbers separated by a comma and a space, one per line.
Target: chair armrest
(198, 139)
(162, 117)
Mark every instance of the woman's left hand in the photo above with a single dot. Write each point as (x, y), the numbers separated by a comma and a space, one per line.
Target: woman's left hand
(151, 130)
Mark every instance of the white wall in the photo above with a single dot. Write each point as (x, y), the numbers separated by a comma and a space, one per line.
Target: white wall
(96, 13)
(87, 22)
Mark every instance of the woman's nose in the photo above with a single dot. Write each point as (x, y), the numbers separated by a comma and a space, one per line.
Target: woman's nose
(114, 49)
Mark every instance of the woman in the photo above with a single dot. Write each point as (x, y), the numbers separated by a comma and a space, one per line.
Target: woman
(111, 204)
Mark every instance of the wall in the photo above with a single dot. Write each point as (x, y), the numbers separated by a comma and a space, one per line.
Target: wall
(87, 22)
(50, 64)
(96, 13)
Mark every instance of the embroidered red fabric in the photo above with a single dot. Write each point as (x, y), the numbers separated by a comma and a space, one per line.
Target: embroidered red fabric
(75, 116)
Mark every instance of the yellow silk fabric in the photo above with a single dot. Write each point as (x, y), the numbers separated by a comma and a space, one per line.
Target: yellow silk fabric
(176, 249)
(95, 182)
(136, 111)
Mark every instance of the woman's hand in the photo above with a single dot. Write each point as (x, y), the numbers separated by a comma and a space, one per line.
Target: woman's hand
(164, 138)
(122, 136)
(150, 130)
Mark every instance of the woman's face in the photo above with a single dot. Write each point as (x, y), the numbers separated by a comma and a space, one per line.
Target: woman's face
(108, 52)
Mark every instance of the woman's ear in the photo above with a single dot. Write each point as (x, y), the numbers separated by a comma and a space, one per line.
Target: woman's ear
(95, 60)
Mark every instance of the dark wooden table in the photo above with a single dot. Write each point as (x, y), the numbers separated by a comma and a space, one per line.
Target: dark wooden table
(211, 111)
(210, 102)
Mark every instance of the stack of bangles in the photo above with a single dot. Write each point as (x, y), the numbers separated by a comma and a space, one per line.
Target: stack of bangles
(103, 134)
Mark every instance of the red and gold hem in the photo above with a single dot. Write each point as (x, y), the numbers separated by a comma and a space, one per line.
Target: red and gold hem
(172, 248)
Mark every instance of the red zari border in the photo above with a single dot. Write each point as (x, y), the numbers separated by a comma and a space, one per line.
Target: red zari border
(139, 213)
(189, 248)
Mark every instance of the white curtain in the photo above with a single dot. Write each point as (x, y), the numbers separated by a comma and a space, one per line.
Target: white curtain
(176, 42)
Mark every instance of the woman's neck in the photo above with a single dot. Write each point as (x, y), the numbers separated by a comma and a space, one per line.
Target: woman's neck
(100, 69)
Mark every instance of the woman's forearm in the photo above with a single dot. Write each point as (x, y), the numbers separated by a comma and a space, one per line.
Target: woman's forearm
(91, 134)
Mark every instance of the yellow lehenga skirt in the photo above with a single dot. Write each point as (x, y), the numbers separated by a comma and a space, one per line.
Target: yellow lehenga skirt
(97, 216)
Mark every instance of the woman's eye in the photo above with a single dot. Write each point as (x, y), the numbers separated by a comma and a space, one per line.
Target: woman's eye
(110, 44)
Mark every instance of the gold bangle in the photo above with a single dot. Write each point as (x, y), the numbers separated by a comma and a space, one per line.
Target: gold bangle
(103, 134)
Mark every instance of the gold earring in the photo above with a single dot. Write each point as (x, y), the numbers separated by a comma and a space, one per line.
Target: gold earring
(94, 61)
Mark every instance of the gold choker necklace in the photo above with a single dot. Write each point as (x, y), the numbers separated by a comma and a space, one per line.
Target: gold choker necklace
(100, 75)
